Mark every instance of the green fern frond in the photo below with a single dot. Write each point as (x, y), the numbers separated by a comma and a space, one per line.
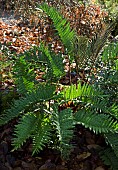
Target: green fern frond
(87, 94)
(64, 124)
(99, 103)
(73, 91)
(81, 50)
(42, 135)
(61, 25)
(86, 51)
(24, 85)
(24, 75)
(109, 158)
(99, 123)
(114, 111)
(24, 129)
(43, 93)
(54, 62)
(37, 57)
(112, 139)
(98, 42)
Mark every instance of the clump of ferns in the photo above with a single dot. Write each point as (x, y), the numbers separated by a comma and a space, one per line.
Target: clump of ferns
(34, 106)
(38, 118)
(33, 109)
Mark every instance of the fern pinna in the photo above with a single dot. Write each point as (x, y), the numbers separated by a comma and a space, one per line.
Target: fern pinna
(64, 123)
(109, 158)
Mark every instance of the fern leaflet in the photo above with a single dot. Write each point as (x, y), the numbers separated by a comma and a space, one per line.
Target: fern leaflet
(42, 135)
(99, 123)
(109, 158)
(54, 65)
(24, 129)
(43, 93)
(24, 75)
(112, 138)
(64, 124)
(73, 91)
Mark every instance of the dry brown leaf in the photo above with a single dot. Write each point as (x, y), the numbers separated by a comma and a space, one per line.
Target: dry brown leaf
(83, 156)
(99, 168)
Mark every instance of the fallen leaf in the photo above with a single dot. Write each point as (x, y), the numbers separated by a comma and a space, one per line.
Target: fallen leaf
(94, 146)
(99, 168)
(83, 156)
(48, 166)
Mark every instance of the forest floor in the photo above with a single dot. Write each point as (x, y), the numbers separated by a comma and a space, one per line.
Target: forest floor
(84, 156)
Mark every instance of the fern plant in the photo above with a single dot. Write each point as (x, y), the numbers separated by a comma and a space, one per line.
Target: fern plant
(33, 106)
(39, 102)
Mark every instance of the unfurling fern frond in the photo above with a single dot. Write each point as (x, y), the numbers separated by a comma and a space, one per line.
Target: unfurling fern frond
(112, 139)
(99, 123)
(61, 25)
(43, 93)
(42, 135)
(24, 129)
(109, 158)
(64, 124)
